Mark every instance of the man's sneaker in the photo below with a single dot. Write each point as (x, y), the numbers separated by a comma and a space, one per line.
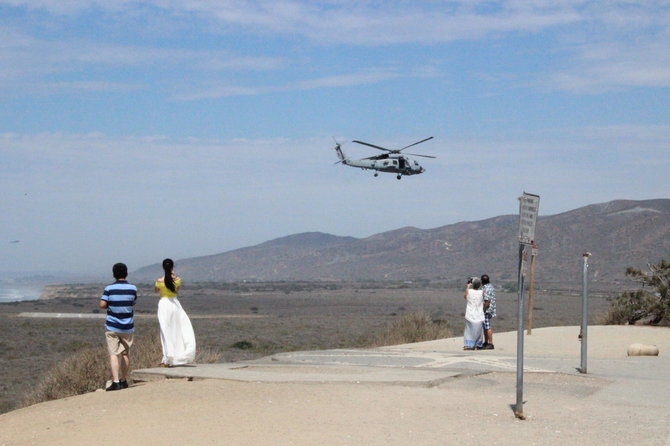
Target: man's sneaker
(488, 347)
(124, 384)
(114, 386)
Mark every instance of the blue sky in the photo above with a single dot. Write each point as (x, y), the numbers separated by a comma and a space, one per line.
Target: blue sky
(137, 130)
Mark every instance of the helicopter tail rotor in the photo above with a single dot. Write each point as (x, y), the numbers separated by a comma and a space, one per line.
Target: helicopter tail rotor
(340, 153)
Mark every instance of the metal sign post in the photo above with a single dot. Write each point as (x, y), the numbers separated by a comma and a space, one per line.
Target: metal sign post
(529, 205)
(518, 409)
(585, 311)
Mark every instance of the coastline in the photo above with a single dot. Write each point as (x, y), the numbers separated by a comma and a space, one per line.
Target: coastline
(20, 293)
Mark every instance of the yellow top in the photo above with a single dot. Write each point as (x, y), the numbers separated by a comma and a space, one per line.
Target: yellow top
(164, 291)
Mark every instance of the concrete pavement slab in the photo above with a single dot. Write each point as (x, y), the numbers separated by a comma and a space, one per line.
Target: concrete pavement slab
(547, 350)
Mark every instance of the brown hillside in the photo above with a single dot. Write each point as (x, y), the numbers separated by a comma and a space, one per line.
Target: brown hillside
(619, 234)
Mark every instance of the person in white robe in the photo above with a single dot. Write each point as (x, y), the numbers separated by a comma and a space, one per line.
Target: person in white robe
(473, 336)
(176, 331)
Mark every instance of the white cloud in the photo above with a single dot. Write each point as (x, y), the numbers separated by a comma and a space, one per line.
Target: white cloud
(371, 23)
(608, 45)
(360, 23)
(76, 65)
(611, 66)
(345, 80)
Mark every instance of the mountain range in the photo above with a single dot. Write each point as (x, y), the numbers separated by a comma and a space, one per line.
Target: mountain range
(618, 234)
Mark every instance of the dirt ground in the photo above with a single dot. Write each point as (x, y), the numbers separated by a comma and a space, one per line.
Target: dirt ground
(621, 401)
(344, 414)
(249, 321)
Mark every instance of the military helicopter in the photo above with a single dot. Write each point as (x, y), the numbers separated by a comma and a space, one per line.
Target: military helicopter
(393, 161)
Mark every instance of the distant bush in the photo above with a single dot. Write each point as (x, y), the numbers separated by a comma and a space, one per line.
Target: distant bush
(243, 345)
(87, 369)
(633, 306)
(644, 305)
(510, 287)
(413, 327)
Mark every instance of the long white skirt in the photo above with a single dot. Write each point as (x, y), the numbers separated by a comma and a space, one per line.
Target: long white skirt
(177, 337)
(473, 335)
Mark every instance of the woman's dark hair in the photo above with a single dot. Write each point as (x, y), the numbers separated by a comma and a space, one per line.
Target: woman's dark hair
(168, 264)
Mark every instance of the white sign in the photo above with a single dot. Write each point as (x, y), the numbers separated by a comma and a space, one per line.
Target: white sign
(529, 206)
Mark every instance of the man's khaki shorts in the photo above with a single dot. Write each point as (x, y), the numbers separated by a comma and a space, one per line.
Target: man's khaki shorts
(118, 343)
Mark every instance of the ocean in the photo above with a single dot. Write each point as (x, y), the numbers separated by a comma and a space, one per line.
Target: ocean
(16, 292)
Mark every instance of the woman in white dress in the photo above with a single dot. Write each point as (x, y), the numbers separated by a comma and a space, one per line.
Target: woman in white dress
(177, 337)
(473, 336)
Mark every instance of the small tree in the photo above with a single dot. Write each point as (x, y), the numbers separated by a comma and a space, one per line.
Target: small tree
(633, 306)
(658, 278)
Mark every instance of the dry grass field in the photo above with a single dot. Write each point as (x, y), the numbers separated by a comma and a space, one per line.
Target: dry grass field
(246, 321)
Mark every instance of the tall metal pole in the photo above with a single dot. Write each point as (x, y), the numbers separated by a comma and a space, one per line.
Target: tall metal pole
(528, 208)
(585, 310)
(518, 410)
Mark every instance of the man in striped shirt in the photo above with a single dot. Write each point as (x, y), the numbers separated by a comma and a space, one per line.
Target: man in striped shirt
(489, 311)
(119, 299)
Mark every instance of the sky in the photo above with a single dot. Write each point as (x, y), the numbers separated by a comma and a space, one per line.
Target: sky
(132, 130)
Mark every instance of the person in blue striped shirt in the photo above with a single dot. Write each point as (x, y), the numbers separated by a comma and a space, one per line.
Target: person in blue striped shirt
(119, 299)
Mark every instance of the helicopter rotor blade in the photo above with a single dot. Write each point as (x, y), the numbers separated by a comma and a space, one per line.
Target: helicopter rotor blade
(372, 145)
(417, 154)
(419, 142)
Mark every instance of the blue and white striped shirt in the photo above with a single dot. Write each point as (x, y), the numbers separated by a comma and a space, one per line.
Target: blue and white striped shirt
(120, 297)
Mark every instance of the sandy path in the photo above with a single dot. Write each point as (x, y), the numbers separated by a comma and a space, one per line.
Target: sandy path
(474, 410)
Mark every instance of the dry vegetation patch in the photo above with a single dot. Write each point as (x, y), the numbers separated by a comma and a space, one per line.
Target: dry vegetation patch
(413, 327)
(87, 369)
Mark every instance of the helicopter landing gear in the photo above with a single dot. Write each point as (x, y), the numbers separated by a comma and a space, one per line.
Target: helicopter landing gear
(399, 176)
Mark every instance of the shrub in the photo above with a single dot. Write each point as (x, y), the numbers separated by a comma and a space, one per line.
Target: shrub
(87, 369)
(243, 345)
(650, 307)
(510, 287)
(413, 327)
(82, 372)
(633, 306)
